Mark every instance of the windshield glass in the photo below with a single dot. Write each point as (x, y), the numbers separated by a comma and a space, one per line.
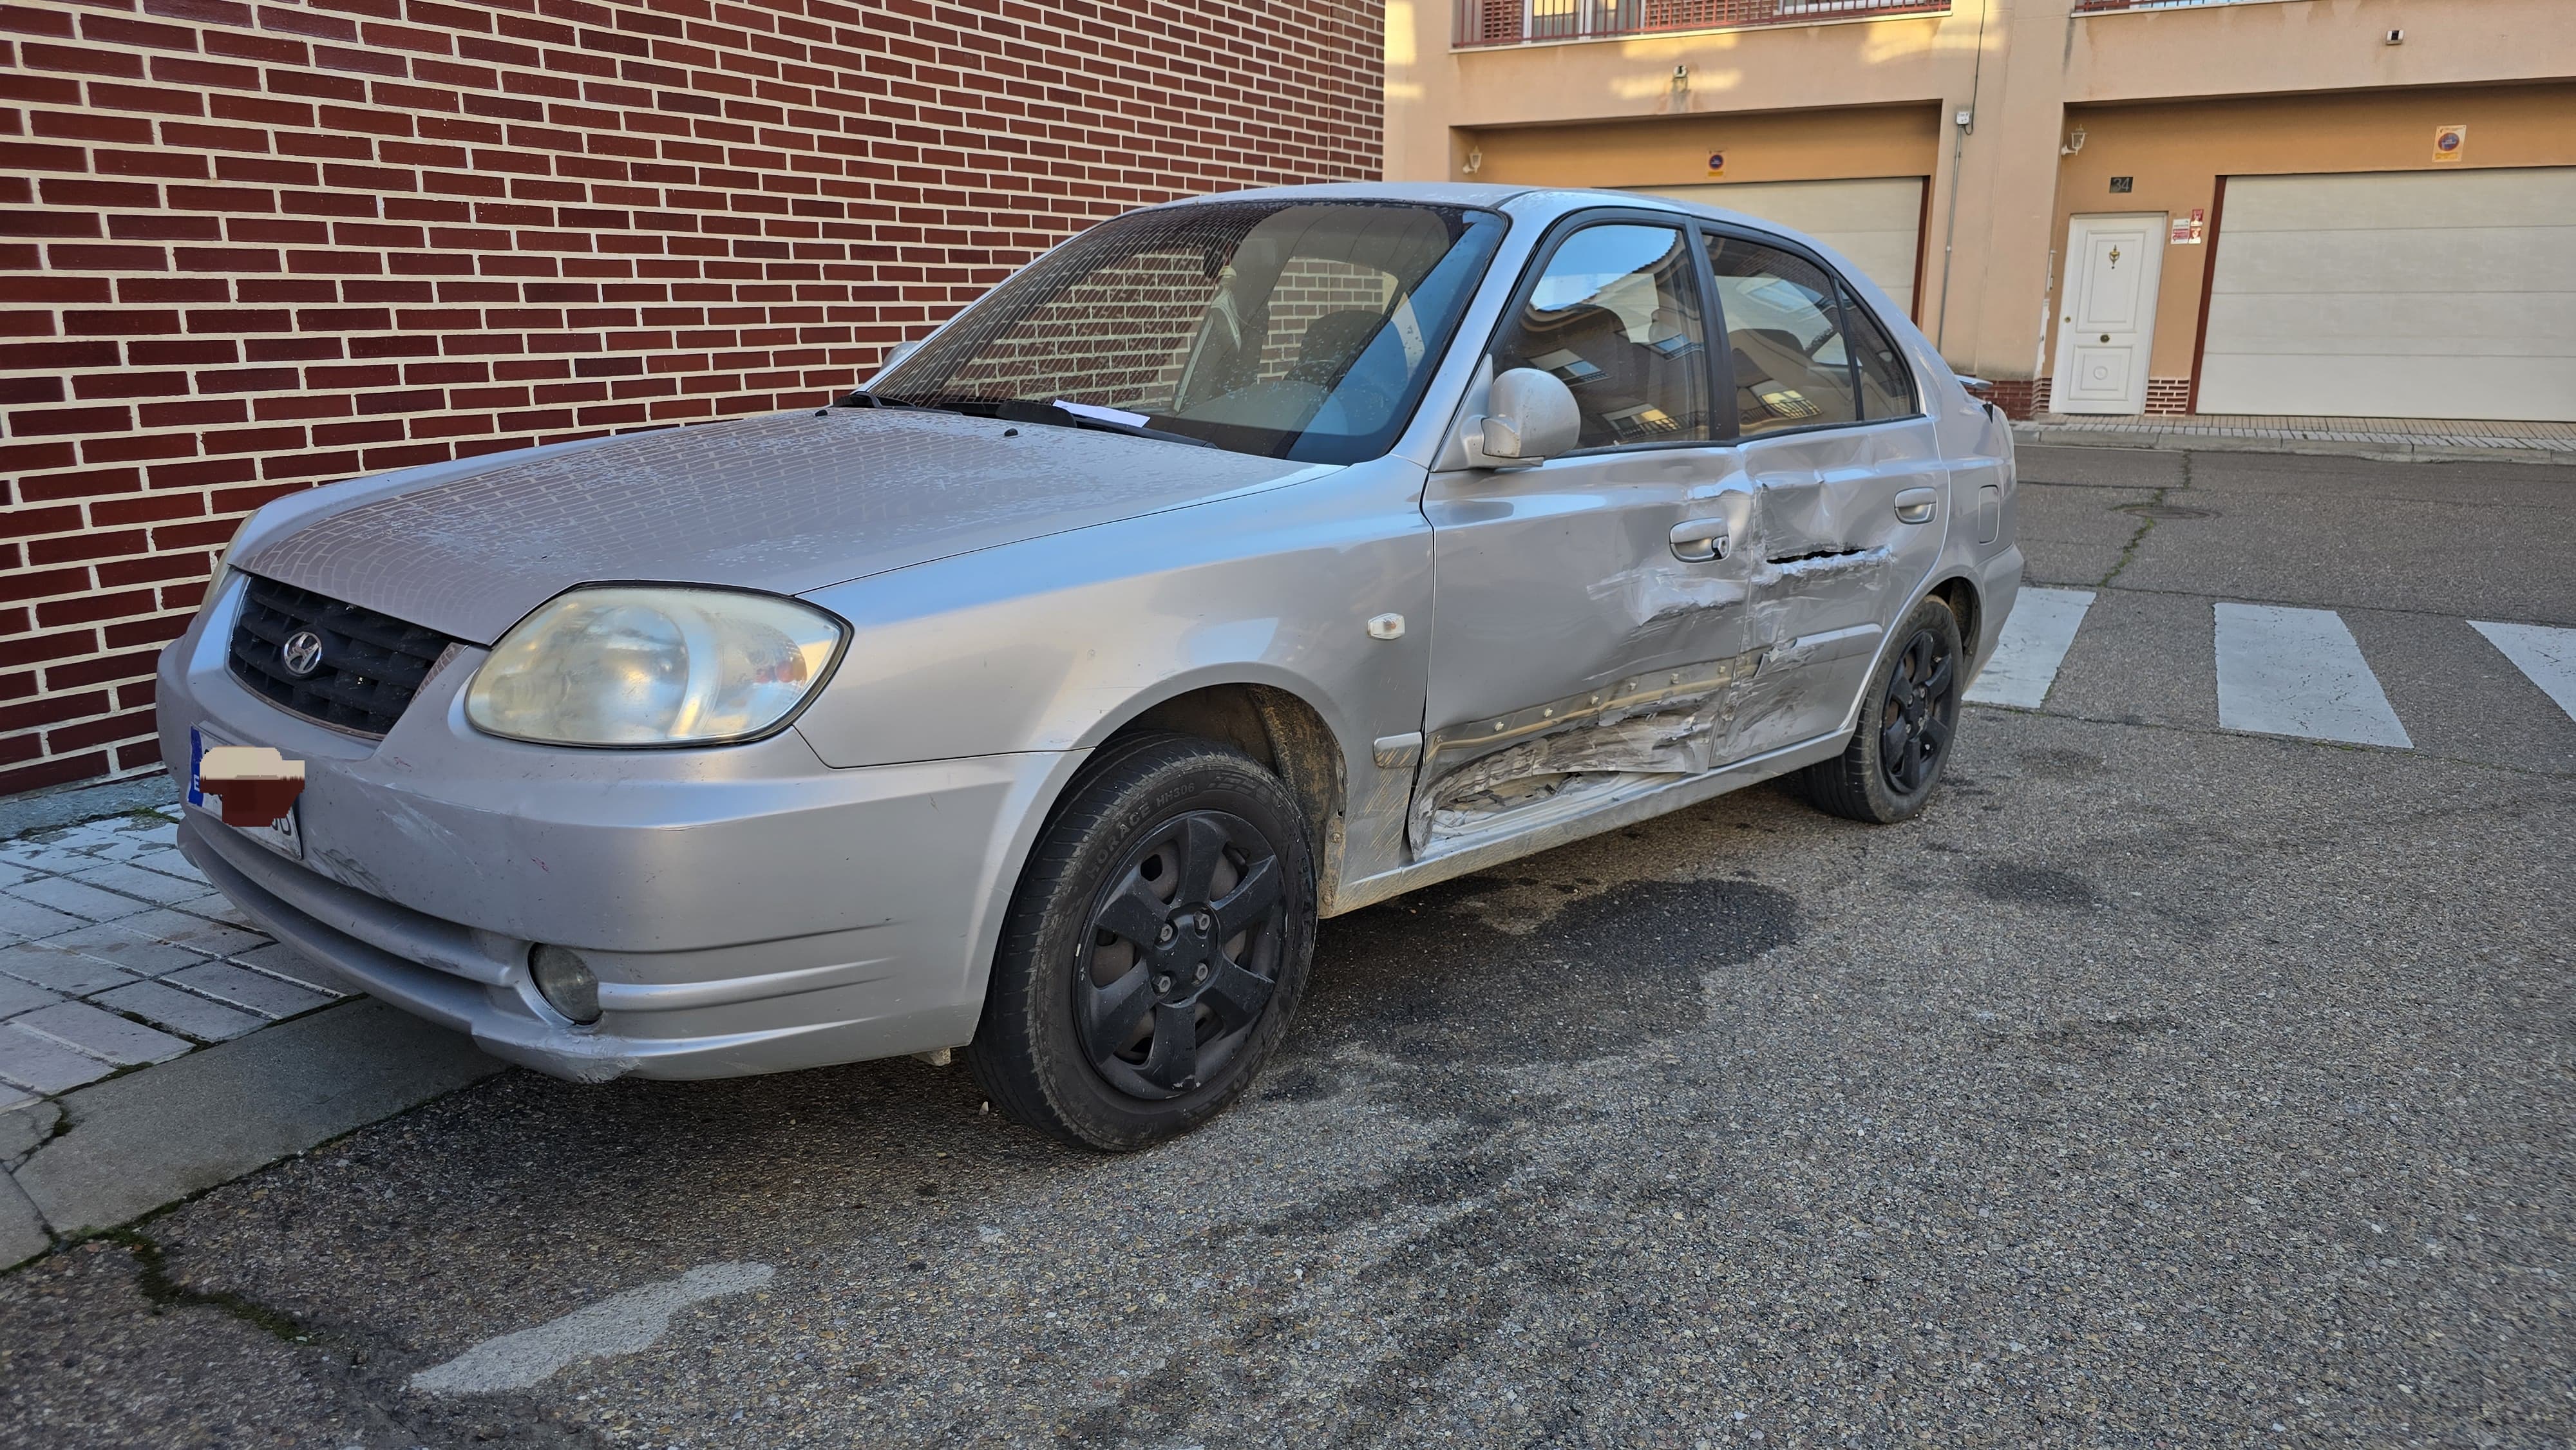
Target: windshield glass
(1302, 330)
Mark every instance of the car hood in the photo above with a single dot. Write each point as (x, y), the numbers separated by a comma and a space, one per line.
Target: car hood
(785, 503)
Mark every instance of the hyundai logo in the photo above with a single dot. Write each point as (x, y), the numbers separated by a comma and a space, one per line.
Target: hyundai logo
(302, 653)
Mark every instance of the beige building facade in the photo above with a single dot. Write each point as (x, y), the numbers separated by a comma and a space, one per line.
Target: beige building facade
(2357, 208)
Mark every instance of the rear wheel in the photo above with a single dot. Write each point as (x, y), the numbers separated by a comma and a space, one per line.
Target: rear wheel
(1155, 950)
(1908, 722)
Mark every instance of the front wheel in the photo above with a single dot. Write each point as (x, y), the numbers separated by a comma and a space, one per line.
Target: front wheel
(1908, 722)
(1155, 950)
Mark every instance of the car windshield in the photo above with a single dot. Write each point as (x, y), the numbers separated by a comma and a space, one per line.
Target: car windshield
(1304, 330)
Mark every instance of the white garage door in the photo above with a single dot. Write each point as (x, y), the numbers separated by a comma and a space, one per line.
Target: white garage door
(1877, 223)
(2425, 294)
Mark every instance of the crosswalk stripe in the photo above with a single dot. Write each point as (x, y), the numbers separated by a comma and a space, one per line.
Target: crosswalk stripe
(2299, 672)
(2034, 643)
(2547, 656)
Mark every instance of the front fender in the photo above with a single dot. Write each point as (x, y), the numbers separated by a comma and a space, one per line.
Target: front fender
(1055, 643)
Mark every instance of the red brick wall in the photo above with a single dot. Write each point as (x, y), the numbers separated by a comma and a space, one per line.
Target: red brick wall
(248, 248)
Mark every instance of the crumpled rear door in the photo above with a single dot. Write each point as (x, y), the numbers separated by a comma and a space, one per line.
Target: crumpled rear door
(1847, 524)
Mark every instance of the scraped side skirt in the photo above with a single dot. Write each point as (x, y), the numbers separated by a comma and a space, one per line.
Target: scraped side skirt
(1638, 798)
(1564, 755)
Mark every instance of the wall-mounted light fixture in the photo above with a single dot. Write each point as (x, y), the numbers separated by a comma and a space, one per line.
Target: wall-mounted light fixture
(2074, 142)
(2397, 37)
(1475, 161)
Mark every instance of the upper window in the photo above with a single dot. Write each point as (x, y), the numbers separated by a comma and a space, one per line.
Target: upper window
(1784, 334)
(1615, 314)
(1297, 330)
(1886, 382)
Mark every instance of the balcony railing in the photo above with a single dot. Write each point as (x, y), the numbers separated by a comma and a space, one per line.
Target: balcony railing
(1517, 22)
(2099, 7)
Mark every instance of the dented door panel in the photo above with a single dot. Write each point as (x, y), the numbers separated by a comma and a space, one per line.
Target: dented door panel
(1838, 560)
(1572, 638)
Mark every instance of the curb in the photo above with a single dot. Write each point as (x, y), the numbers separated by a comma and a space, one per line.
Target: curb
(2382, 451)
(110, 1153)
(69, 805)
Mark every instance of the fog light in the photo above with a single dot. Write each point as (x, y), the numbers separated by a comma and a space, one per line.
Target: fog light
(567, 983)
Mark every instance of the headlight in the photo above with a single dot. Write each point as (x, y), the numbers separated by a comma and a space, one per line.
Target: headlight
(224, 560)
(628, 665)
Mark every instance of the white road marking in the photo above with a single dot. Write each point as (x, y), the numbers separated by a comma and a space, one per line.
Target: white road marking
(2035, 639)
(2547, 655)
(2299, 672)
(622, 1325)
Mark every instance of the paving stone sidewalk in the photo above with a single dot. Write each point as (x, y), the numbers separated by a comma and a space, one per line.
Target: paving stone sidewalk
(153, 1043)
(115, 954)
(2425, 439)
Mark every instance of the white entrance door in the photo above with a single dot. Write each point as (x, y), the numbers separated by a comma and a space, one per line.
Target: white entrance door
(2412, 294)
(2106, 318)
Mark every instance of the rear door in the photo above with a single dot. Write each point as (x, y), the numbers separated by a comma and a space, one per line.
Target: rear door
(1851, 497)
(1575, 643)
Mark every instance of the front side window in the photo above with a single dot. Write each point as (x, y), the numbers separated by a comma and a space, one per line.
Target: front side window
(1615, 315)
(1294, 330)
(1784, 335)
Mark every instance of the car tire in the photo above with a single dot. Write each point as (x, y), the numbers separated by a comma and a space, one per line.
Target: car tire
(1908, 724)
(1156, 947)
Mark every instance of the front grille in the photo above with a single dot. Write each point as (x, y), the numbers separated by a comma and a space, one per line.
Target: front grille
(370, 668)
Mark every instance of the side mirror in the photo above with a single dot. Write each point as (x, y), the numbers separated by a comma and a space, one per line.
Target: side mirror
(897, 353)
(1529, 418)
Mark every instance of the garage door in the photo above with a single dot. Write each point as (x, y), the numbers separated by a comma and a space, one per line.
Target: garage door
(1878, 223)
(2440, 294)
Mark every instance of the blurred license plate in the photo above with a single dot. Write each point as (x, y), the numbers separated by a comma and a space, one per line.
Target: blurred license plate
(283, 835)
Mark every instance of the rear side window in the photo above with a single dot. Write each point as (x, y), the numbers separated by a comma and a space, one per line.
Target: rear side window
(1793, 368)
(1615, 315)
(1886, 383)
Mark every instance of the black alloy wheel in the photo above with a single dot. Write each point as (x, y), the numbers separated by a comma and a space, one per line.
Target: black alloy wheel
(1919, 711)
(1155, 949)
(1909, 721)
(1182, 956)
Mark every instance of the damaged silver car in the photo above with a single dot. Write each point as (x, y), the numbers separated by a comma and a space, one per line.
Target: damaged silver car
(1240, 562)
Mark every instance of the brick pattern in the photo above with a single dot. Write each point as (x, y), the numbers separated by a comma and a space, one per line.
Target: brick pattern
(250, 247)
(2166, 397)
(2021, 397)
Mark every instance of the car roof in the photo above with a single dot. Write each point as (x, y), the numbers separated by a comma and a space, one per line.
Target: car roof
(1537, 203)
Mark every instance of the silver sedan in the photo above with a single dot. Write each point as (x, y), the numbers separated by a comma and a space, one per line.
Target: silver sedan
(1240, 562)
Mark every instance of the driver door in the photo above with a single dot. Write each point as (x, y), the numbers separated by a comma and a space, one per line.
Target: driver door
(1588, 624)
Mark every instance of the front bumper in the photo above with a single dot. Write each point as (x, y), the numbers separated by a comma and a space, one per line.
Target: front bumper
(746, 909)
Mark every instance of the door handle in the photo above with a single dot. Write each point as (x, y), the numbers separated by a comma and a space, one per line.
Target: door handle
(1916, 505)
(1696, 541)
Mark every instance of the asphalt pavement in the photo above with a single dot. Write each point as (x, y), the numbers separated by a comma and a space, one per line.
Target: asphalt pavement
(2160, 1085)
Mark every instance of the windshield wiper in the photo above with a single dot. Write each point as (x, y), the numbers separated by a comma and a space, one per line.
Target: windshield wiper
(862, 398)
(1021, 410)
(1112, 425)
